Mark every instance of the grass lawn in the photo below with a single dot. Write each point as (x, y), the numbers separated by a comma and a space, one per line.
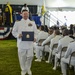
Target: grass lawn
(9, 64)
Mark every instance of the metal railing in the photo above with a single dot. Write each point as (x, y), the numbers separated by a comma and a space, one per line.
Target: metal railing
(53, 19)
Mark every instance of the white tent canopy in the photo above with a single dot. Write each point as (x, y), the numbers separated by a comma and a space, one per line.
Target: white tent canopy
(48, 3)
(59, 8)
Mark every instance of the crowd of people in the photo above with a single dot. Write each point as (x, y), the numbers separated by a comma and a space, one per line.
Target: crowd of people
(57, 56)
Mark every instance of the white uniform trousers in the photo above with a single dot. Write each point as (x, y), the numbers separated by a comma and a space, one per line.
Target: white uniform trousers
(39, 50)
(25, 60)
(64, 66)
(34, 47)
(50, 53)
(64, 62)
(57, 56)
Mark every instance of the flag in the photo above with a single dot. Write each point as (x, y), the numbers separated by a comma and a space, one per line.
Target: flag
(43, 10)
(4, 32)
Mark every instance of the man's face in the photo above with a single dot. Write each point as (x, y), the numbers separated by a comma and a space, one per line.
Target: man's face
(25, 15)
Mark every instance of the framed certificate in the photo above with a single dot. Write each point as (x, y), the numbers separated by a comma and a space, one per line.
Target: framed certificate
(27, 36)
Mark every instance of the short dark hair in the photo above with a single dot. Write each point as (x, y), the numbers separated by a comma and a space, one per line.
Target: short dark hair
(71, 26)
(65, 32)
(42, 28)
(57, 32)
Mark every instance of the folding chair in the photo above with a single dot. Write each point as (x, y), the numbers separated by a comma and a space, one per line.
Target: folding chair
(72, 55)
(46, 53)
(63, 50)
(52, 56)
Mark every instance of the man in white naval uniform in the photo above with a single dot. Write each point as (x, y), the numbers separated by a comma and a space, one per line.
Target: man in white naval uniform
(66, 58)
(62, 43)
(42, 34)
(54, 41)
(25, 48)
(39, 49)
(50, 37)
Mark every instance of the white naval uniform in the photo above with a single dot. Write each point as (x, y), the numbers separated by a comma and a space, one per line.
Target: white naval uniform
(53, 41)
(62, 43)
(65, 59)
(25, 48)
(48, 39)
(41, 35)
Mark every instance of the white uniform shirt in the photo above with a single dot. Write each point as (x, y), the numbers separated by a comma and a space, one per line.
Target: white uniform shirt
(20, 26)
(48, 39)
(42, 35)
(64, 42)
(70, 49)
(38, 31)
(54, 41)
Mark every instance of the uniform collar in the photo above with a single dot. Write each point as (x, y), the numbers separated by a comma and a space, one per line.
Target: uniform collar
(25, 20)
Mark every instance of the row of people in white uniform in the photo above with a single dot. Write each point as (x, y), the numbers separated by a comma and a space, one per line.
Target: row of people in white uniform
(62, 41)
(53, 41)
(66, 58)
(39, 49)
